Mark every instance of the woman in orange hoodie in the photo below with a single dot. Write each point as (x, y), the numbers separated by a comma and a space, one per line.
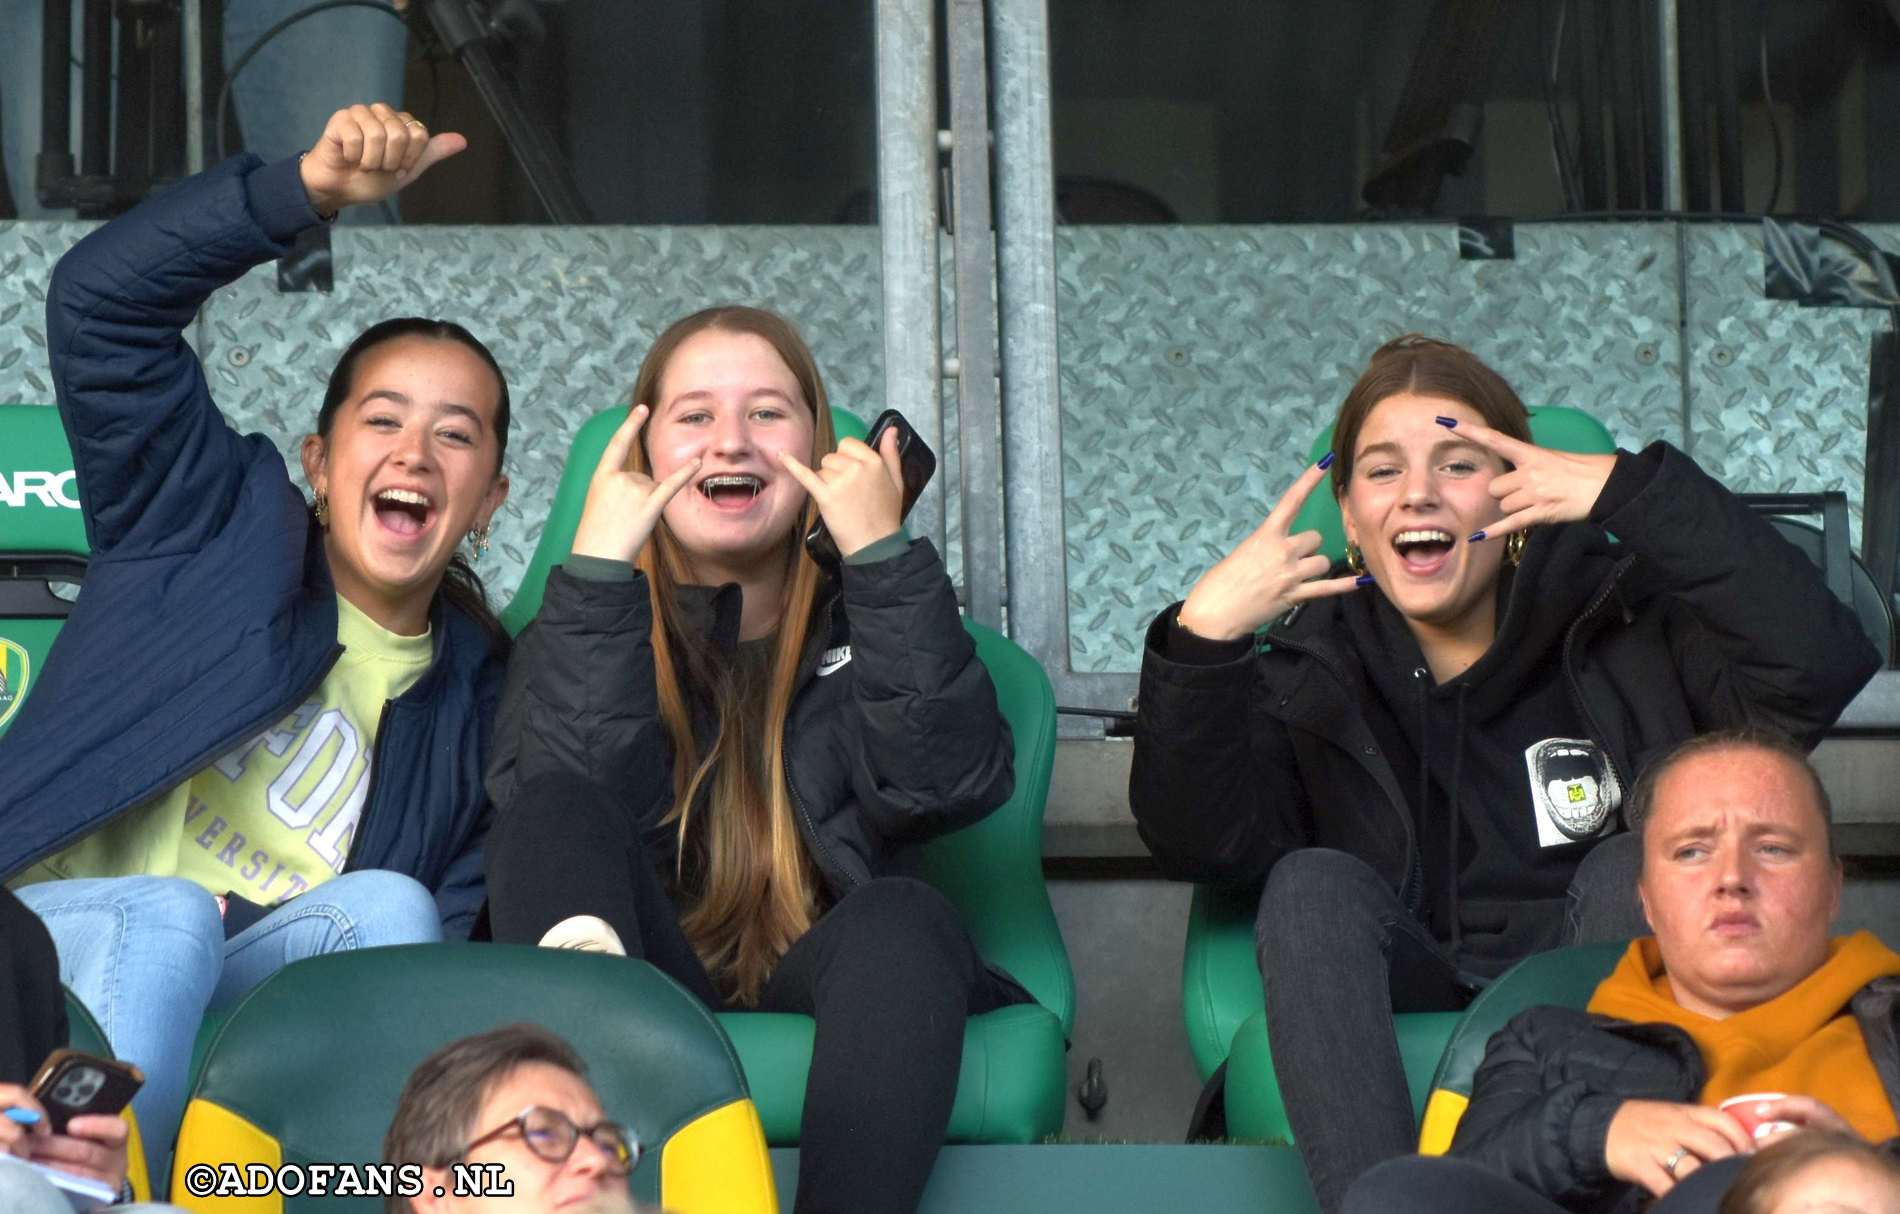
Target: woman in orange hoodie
(1741, 992)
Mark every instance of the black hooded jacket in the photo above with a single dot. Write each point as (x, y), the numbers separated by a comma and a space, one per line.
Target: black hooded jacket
(1697, 616)
(1553, 1077)
(893, 738)
(32, 1005)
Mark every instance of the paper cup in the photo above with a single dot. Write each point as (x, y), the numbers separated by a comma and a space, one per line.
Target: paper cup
(1742, 1109)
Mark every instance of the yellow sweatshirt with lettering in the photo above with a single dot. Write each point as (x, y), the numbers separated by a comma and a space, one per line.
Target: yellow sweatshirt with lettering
(277, 814)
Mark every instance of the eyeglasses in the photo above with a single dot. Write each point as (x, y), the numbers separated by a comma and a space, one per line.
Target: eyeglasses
(552, 1135)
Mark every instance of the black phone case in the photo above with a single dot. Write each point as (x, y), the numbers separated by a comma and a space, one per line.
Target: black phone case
(79, 1084)
(919, 465)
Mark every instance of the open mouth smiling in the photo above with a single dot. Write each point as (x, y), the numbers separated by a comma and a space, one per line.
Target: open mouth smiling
(1423, 550)
(407, 512)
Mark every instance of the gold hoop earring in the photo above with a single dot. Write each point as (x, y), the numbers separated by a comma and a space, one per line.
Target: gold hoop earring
(321, 508)
(1355, 560)
(478, 540)
(1514, 546)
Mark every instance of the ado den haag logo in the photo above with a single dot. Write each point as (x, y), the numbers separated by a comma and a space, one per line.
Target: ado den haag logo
(15, 669)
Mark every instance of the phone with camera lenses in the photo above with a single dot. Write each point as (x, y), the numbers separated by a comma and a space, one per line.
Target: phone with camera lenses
(918, 465)
(71, 1083)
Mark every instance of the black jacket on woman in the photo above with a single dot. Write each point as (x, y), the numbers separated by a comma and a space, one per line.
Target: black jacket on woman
(1696, 616)
(893, 737)
(1553, 1077)
(32, 1004)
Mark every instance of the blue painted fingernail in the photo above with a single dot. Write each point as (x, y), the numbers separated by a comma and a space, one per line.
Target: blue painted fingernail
(1325, 461)
(23, 1116)
(1364, 579)
(1475, 537)
(1449, 423)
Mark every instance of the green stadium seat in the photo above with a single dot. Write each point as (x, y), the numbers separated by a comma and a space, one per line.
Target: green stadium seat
(1222, 1000)
(42, 545)
(1564, 977)
(309, 1066)
(1012, 1085)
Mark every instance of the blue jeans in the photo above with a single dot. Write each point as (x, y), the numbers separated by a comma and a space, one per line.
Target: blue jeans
(148, 957)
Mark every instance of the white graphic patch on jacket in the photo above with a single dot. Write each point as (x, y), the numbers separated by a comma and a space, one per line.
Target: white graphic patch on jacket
(1574, 790)
(834, 660)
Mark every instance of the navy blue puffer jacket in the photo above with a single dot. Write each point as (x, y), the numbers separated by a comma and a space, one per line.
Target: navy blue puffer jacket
(208, 611)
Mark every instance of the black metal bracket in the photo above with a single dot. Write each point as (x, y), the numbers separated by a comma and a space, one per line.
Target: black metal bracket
(468, 29)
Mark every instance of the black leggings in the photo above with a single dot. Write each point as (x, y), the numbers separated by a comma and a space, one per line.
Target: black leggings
(889, 974)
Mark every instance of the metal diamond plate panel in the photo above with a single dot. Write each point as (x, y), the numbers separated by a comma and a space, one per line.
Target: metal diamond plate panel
(27, 254)
(568, 312)
(1777, 392)
(1199, 363)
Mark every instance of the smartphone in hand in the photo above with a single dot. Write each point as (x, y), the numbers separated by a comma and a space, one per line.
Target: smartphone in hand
(73, 1084)
(918, 462)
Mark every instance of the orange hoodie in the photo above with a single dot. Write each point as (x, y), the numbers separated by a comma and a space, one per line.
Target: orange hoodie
(1804, 1041)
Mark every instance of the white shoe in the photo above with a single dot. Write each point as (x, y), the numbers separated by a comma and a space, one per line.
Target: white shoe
(585, 934)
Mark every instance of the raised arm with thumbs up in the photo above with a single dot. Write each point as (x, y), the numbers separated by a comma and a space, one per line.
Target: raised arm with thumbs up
(368, 152)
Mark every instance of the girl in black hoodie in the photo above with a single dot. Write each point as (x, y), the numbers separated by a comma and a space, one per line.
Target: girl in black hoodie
(1424, 751)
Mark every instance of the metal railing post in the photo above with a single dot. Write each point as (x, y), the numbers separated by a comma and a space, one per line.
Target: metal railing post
(1032, 399)
(1669, 93)
(907, 230)
(974, 268)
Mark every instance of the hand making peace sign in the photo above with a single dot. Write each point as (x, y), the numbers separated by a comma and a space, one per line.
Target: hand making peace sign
(1544, 486)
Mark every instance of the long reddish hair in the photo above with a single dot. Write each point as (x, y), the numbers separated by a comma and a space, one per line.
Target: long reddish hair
(759, 888)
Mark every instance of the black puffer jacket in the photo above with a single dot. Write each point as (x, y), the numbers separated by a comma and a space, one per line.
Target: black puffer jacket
(32, 1007)
(1697, 617)
(895, 744)
(1553, 1077)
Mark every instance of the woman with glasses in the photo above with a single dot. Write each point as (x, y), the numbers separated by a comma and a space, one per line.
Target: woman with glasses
(513, 1104)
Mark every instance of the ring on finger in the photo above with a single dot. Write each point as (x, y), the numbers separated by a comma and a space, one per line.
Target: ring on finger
(1675, 1160)
(412, 122)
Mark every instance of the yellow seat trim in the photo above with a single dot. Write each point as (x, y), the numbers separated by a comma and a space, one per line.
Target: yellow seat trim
(717, 1164)
(1442, 1113)
(136, 1169)
(213, 1135)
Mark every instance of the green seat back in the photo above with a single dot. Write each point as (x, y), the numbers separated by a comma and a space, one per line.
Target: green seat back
(1257, 1113)
(42, 540)
(1564, 977)
(82, 1031)
(1223, 1003)
(993, 870)
(1220, 980)
(1013, 1068)
(310, 1064)
(1553, 426)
